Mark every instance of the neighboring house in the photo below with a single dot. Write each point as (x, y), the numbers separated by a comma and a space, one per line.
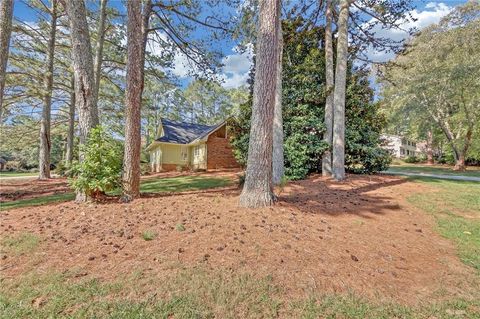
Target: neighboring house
(400, 146)
(182, 145)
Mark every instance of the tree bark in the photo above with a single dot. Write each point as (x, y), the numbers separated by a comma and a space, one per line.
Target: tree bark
(278, 160)
(83, 73)
(338, 156)
(429, 146)
(71, 124)
(6, 16)
(137, 31)
(99, 53)
(329, 81)
(45, 143)
(257, 190)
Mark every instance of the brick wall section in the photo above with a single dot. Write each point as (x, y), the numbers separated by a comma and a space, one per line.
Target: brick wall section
(220, 153)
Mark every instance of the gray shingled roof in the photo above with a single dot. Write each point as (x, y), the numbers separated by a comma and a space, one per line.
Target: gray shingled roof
(183, 133)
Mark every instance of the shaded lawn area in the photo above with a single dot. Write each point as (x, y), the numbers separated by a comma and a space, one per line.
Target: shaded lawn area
(471, 171)
(148, 185)
(456, 208)
(17, 174)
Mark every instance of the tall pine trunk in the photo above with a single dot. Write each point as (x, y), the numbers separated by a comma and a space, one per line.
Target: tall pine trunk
(45, 142)
(329, 81)
(83, 73)
(99, 53)
(6, 16)
(137, 30)
(338, 156)
(257, 190)
(278, 160)
(71, 124)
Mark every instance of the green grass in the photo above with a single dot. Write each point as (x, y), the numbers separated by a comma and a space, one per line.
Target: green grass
(17, 174)
(439, 170)
(151, 185)
(456, 208)
(182, 183)
(37, 201)
(194, 293)
(149, 235)
(20, 244)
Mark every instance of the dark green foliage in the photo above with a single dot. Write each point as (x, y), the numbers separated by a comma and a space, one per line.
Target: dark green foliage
(303, 110)
(101, 169)
(411, 159)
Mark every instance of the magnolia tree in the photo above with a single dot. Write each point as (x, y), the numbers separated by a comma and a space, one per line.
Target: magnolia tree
(437, 79)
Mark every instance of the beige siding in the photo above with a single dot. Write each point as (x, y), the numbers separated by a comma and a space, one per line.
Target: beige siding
(199, 156)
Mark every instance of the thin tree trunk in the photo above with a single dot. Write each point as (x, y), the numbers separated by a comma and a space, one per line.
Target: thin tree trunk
(83, 73)
(278, 160)
(45, 143)
(330, 79)
(71, 124)
(338, 156)
(460, 162)
(137, 31)
(429, 146)
(257, 190)
(99, 53)
(6, 16)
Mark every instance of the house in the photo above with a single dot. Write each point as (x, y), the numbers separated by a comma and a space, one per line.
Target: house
(400, 146)
(181, 145)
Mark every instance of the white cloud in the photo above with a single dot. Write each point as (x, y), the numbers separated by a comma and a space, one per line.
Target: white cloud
(236, 67)
(433, 12)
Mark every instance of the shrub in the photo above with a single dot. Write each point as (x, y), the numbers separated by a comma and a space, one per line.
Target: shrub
(411, 159)
(101, 168)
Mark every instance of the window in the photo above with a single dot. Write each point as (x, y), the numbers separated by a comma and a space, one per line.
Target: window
(196, 151)
(184, 153)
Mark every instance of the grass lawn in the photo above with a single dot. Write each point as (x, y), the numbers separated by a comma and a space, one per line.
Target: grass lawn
(194, 293)
(17, 174)
(150, 185)
(456, 207)
(436, 169)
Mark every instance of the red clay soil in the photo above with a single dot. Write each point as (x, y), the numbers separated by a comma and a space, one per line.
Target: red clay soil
(359, 235)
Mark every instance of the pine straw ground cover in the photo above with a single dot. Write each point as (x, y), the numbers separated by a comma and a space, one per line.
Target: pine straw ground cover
(363, 248)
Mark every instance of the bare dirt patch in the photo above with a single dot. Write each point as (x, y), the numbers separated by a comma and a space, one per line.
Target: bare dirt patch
(359, 235)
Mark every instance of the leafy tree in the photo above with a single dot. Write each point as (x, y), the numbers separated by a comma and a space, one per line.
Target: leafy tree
(303, 110)
(437, 79)
(101, 168)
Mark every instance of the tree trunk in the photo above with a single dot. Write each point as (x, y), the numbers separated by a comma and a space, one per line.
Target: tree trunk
(137, 30)
(257, 190)
(338, 156)
(45, 143)
(328, 135)
(278, 160)
(429, 146)
(6, 16)
(71, 124)
(83, 73)
(460, 163)
(99, 53)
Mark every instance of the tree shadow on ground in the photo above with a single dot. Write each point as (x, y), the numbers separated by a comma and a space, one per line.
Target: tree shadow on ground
(319, 195)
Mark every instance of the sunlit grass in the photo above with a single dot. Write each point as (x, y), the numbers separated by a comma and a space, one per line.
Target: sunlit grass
(437, 169)
(456, 207)
(195, 293)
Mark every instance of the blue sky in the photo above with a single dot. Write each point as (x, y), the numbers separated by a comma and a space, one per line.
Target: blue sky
(237, 64)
